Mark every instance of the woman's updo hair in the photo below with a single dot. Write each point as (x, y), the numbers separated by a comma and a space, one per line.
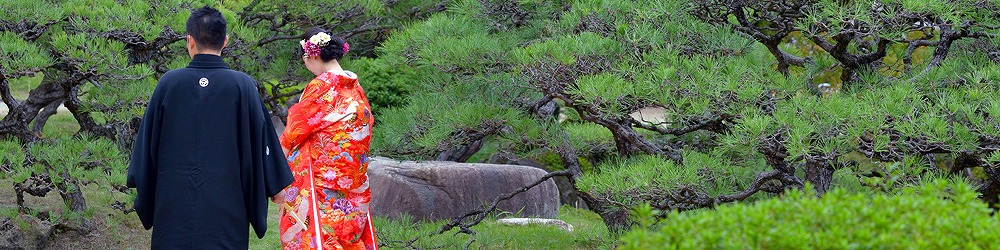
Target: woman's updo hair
(333, 50)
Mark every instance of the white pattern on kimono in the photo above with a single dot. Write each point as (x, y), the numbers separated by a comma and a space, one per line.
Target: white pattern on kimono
(362, 133)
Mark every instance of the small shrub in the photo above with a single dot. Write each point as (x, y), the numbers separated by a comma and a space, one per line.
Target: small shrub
(386, 86)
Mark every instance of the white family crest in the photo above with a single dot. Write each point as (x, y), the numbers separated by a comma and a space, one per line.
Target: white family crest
(203, 82)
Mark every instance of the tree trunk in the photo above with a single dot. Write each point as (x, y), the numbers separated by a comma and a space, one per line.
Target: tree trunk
(846, 76)
(5, 94)
(71, 192)
(86, 121)
(989, 192)
(628, 141)
(819, 172)
(615, 218)
(774, 151)
(18, 117)
(43, 116)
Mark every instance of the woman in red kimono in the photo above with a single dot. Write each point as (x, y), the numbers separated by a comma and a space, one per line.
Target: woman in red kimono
(326, 142)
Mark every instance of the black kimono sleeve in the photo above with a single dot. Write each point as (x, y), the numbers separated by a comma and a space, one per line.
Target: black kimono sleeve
(269, 173)
(142, 165)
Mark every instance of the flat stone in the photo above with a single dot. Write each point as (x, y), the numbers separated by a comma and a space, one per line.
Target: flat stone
(536, 221)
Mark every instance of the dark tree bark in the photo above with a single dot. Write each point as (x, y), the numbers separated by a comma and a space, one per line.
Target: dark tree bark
(615, 218)
(86, 121)
(71, 192)
(819, 172)
(5, 94)
(466, 142)
(142, 51)
(43, 116)
(38, 186)
(990, 190)
(461, 153)
(785, 59)
(18, 117)
(774, 151)
(948, 37)
(850, 63)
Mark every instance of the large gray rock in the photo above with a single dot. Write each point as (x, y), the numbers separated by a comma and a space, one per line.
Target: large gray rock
(443, 190)
(279, 127)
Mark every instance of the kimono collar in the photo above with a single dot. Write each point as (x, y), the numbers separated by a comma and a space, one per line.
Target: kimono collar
(207, 61)
(341, 78)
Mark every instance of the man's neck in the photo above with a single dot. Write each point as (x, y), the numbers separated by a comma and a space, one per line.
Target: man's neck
(214, 53)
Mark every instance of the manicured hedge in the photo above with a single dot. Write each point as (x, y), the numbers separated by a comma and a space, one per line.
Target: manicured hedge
(937, 215)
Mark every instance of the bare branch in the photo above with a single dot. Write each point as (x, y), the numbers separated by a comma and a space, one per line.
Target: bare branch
(753, 188)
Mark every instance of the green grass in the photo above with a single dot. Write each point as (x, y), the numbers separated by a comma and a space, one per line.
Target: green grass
(588, 232)
(21, 86)
(59, 125)
(270, 240)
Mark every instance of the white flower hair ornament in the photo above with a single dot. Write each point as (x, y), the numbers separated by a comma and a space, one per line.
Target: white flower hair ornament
(311, 46)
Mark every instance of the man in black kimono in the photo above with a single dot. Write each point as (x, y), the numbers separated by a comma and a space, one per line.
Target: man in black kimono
(206, 157)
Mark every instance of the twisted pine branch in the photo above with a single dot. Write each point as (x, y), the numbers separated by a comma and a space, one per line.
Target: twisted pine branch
(687, 198)
(711, 124)
(5, 93)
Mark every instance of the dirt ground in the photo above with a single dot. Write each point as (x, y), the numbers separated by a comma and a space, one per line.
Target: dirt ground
(27, 232)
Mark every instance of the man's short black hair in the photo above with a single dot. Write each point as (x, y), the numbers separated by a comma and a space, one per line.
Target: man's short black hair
(208, 28)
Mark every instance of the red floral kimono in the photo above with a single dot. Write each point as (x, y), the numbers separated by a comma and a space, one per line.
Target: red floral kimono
(327, 137)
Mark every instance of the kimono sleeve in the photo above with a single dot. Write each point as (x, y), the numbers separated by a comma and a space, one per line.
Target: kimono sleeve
(142, 164)
(276, 171)
(267, 173)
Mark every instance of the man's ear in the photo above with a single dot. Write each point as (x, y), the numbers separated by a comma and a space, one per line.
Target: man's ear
(225, 43)
(190, 43)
